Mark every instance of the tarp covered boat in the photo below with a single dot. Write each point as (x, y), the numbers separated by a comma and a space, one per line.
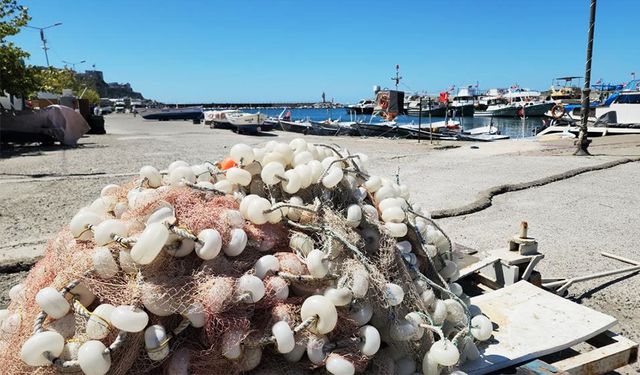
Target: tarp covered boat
(54, 123)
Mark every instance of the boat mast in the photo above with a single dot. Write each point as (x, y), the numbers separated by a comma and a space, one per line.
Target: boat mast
(397, 78)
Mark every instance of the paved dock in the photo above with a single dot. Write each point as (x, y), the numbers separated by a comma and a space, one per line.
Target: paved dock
(573, 219)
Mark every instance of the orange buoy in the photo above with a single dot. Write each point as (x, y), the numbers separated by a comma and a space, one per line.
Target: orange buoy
(226, 164)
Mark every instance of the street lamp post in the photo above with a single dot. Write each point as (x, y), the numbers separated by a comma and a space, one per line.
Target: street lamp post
(73, 64)
(43, 39)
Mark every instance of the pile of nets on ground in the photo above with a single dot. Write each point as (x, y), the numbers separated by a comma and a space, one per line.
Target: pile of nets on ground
(284, 259)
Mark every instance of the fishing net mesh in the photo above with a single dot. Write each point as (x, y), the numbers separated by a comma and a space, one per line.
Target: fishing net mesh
(178, 283)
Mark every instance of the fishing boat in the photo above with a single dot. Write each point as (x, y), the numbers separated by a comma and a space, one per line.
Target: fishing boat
(379, 129)
(297, 126)
(624, 110)
(438, 130)
(486, 133)
(219, 119)
(481, 137)
(563, 89)
(308, 127)
(463, 104)
(363, 107)
(607, 94)
(166, 114)
(622, 116)
(271, 122)
(246, 122)
(433, 108)
(336, 127)
(519, 102)
(489, 98)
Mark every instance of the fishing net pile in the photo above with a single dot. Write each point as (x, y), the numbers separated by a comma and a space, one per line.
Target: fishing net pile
(283, 259)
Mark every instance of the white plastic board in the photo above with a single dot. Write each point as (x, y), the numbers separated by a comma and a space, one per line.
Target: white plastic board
(530, 322)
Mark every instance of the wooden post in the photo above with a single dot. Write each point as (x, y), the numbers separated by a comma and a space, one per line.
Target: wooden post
(524, 226)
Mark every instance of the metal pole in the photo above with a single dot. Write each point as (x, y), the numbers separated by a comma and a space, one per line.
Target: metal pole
(523, 117)
(430, 125)
(593, 276)
(582, 143)
(44, 46)
(43, 39)
(419, 120)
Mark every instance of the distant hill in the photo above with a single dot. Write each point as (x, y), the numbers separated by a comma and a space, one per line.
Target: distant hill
(95, 79)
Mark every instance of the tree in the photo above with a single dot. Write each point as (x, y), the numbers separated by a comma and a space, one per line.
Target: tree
(16, 78)
(54, 80)
(91, 95)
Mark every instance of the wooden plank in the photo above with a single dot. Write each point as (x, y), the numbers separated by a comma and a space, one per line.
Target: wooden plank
(531, 322)
(477, 266)
(601, 360)
(538, 367)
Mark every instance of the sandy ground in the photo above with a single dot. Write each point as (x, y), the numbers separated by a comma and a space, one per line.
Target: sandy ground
(574, 219)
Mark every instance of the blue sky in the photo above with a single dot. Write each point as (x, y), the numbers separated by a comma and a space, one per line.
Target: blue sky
(246, 50)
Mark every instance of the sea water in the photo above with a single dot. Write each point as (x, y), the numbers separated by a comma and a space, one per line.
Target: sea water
(513, 127)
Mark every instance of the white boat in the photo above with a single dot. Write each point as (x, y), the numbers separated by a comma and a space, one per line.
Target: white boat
(624, 110)
(435, 125)
(519, 102)
(363, 107)
(246, 122)
(622, 116)
(463, 104)
(488, 129)
(218, 119)
(489, 98)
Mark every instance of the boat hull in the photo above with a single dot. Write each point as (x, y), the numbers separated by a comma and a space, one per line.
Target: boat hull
(434, 112)
(295, 127)
(221, 124)
(333, 129)
(378, 130)
(360, 110)
(466, 110)
(481, 137)
(536, 110)
(246, 123)
(173, 114)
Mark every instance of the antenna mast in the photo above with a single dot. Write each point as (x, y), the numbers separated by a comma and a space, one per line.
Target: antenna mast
(397, 78)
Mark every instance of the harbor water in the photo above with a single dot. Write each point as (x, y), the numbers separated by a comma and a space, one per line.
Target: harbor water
(513, 127)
